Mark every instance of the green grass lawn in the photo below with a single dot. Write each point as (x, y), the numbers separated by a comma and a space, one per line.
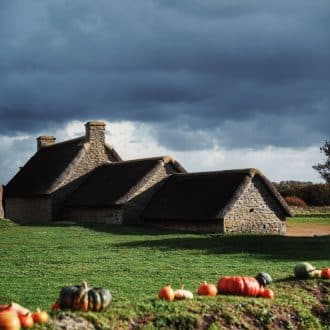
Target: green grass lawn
(135, 262)
(318, 219)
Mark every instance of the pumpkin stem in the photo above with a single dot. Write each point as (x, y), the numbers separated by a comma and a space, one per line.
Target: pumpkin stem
(84, 285)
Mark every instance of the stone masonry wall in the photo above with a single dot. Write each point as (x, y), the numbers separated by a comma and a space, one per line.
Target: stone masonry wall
(142, 196)
(256, 212)
(1, 202)
(105, 215)
(131, 211)
(28, 210)
(93, 155)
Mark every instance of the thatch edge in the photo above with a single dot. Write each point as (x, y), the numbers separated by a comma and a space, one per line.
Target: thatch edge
(254, 172)
(161, 162)
(240, 190)
(113, 151)
(277, 195)
(132, 192)
(57, 183)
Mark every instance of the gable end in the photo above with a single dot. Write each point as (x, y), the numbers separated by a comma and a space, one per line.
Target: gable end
(256, 211)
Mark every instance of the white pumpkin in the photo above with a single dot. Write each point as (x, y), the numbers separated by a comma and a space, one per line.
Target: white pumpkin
(316, 273)
(181, 294)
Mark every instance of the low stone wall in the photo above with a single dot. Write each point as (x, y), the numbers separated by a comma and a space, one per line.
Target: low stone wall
(255, 212)
(105, 215)
(28, 210)
(1, 203)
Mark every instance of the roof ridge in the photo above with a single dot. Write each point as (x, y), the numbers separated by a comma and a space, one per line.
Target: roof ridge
(249, 171)
(63, 142)
(129, 194)
(138, 159)
(57, 183)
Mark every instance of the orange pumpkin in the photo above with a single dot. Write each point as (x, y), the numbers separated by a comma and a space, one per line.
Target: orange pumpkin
(207, 289)
(9, 320)
(26, 320)
(325, 273)
(166, 293)
(40, 316)
(239, 285)
(267, 293)
(4, 308)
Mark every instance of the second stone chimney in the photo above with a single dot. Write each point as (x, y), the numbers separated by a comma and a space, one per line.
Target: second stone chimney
(95, 132)
(44, 141)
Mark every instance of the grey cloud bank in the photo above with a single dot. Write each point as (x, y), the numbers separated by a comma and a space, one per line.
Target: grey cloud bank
(243, 74)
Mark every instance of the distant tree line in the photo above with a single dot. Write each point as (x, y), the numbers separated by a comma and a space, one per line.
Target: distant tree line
(314, 194)
(301, 193)
(324, 168)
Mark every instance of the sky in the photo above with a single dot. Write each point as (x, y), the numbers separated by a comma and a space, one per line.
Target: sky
(217, 84)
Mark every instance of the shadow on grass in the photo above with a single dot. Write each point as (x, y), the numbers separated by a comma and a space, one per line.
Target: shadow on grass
(274, 247)
(135, 230)
(266, 247)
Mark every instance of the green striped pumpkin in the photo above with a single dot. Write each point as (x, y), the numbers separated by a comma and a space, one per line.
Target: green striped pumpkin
(84, 298)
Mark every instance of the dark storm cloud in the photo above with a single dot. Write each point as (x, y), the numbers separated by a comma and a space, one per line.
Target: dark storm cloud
(243, 73)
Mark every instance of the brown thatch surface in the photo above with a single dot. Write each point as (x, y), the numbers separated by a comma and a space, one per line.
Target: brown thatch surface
(109, 184)
(38, 175)
(200, 196)
(43, 168)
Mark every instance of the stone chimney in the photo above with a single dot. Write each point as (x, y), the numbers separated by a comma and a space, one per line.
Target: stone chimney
(44, 141)
(95, 132)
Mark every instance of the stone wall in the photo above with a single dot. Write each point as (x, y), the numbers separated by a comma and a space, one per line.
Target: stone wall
(93, 154)
(107, 215)
(255, 212)
(1, 202)
(137, 202)
(131, 211)
(28, 210)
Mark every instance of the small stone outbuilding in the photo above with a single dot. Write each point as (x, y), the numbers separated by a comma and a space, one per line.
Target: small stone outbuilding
(235, 201)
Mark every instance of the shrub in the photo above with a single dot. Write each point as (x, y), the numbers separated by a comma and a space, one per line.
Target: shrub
(316, 194)
(310, 193)
(295, 201)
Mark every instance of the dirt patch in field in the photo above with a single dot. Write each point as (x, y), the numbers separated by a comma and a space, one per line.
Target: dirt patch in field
(275, 318)
(70, 322)
(308, 230)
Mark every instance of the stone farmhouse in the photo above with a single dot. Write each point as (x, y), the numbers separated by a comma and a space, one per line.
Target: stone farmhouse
(224, 201)
(86, 181)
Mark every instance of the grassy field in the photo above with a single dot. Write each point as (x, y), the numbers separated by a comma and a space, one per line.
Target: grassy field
(134, 263)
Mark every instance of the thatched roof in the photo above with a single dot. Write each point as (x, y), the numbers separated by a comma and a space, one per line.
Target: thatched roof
(114, 183)
(204, 196)
(39, 174)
